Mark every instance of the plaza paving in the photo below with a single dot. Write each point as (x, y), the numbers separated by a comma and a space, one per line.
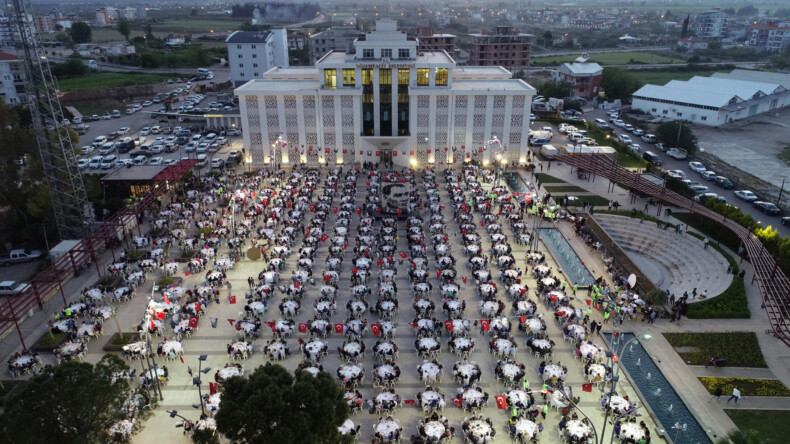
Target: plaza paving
(181, 395)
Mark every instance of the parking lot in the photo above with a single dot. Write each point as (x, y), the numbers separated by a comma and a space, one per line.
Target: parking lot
(669, 163)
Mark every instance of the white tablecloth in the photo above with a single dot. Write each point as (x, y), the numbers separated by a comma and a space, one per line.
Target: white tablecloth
(385, 397)
(428, 344)
(353, 348)
(479, 428)
(206, 424)
(472, 396)
(510, 370)
(212, 403)
(589, 349)
(385, 371)
(229, 372)
(172, 346)
(137, 347)
(123, 427)
(505, 345)
(350, 371)
(553, 370)
(430, 370)
(464, 343)
(434, 429)
(387, 428)
(631, 430)
(618, 404)
(347, 427)
(526, 428)
(577, 428)
(542, 344)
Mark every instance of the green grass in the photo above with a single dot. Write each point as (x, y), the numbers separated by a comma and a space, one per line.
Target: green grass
(112, 79)
(784, 154)
(739, 349)
(658, 77)
(547, 178)
(198, 25)
(596, 201)
(767, 426)
(747, 386)
(710, 228)
(731, 304)
(89, 110)
(564, 189)
(610, 58)
(50, 340)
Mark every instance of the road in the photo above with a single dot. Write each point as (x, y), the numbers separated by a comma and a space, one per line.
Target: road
(683, 165)
(103, 66)
(600, 50)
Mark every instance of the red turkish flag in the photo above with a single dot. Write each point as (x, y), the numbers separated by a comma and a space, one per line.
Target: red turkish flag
(379, 262)
(409, 402)
(297, 285)
(354, 270)
(339, 328)
(398, 211)
(457, 401)
(231, 321)
(375, 328)
(359, 211)
(193, 321)
(517, 195)
(589, 302)
(212, 388)
(448, 325)
(159, 314)
(523, 290)
(523, 319)
(324, 237)
(463, 278)
(484, 323)
(167, 301)
(438, 274)
(587, 387)
(403, 255)
(197, 306)
(501, 402)
(271, 325)
(334, 210)
(312, 208)
(302, 327)
(445, 238)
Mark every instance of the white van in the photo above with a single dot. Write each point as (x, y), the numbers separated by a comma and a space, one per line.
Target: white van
(577, 136)
(210, 137)
(139, 160)
(649, 138)
(202, 160)
(549, 152)
(107, 148)
(601, 123)
(95, 162)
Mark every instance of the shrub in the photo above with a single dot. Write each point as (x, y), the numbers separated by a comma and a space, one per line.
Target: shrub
(134, 255)
(205, 231)
(738, 348)
(731, 304)
(50, 340)
(710, 228)
(747, 386)
(656, 297)
(164, 282)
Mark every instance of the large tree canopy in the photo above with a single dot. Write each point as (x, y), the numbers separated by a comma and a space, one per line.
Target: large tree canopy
(80, 32)
(272, 406)
(676, 134)
(73, 402)
(618, 84)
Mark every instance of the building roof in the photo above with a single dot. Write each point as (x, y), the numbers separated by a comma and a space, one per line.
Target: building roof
(504, 85)
(745, 89)
(248, 37)
(264, 86)
(295, 73)
(756, 76)
(709, 91)
(684, 95)
(582, 68)
(4, 56)
(339, 57)
(480, 72)
(135, 173)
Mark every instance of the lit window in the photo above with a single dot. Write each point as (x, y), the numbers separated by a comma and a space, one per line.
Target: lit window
(330, 78)
(441, 76)
(423, 76)
(349, 77)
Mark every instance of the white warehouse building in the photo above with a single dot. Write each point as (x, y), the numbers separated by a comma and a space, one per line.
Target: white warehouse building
(386, 103)
(252, 53)
(716, 100)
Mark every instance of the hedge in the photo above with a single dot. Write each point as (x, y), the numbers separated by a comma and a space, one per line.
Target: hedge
(714, 230)
(731, 304)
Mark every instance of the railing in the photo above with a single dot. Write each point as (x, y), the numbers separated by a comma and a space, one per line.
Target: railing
(99, 239)
(772, 283)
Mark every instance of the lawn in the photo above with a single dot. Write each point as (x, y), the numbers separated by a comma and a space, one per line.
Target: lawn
(564, 189)
(739, 349)
(596, 201)
(767, 426)
(547, 178)
(610, 58)
(747, 386)
(785, 154)
(111, 79)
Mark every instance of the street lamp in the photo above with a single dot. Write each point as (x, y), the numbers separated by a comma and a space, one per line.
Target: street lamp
(196, 381)
(550, 390)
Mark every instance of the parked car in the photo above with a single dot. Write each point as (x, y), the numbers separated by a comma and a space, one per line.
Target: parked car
(624, 138)
(698, 188)
(661, 147)
(703, 196)
(169, 162)
(628, 127)
(11, 288)
(83, 163)
(639, 132)
(767, 208)
(652, 158)
(145, 131)
(786, 221)
(697, 167)
(746, 195)
(649, 138)
(677, 153)
(155, 161)
(724, 182)
(106, 116)
(709, 175)
(677, 173)
(123, 130)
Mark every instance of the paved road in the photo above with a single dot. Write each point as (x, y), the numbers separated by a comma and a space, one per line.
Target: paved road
(601, 50)
(672, 164)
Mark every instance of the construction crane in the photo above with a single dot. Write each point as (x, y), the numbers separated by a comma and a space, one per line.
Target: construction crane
(73, 212)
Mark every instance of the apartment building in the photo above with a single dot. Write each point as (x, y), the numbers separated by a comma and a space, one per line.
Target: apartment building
(505, 47)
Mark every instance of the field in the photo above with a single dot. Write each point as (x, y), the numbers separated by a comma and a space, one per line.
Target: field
(766, 426)
(198, 25)
(739, 349)
(110, 80)
(610, 58)
(662, 77)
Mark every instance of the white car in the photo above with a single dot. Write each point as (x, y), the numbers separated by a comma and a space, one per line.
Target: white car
(145, 131)
(677, 153)
(155, 161)
(169, 162)
(639, 132)
(677, 173)
(746, 195)
(701, 196)
(628, 127)
(148, 103)
(87, 149)
(697, 167)
(625, 138)
(83, 163)
(619, 123)
(634, 147)
(123, 130)
(156, 129)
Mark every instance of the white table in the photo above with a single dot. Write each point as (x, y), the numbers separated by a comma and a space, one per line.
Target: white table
(94, 293)
(548, 281)
(631, 430)
(174, 347)
(350, 371)
(314, 348)
(526, 428)
(428, 344)
(505, 346)
(578, 429)
(387, 429)
(510, 370)
(159, 374)
(542, 344)
(123, 427)
(429, 396)
(229, 372)
(618, 404)
(386, 371)
(384, 348)
(597, 372)
(518, 397)
(63, 325)
(70, 348)
(212, 403)
(589, 350)
(480, 429)
(464, 344)
(257, 307)
(430, 371)
(472, 397)
(353, 349)
(275, 349)
(347, 427)
(553, 371)
(206, 424)
(434, 429)
(242, 347)
(489, 308)
(87, 330)
(136, 347)
(575, 331)
(386, 398)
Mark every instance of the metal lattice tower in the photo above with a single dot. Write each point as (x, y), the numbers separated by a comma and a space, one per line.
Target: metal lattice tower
(73, 212)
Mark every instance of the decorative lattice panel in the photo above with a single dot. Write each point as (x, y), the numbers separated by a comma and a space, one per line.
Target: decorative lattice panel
(479, 121)
(271, 102)
(499, 104)
(311, 139)
(515, 136)
(441, 121)
(423, 102)
(480, 103)
(254, 120)
(309, 120)
(293, 139)
(273, 121)
(422, 156)
(329, 120)
(257, 155)
(422, 138)
(441, 139)
(460, 120)
(461, 101)
(518, 104)
(477, 156)
(459, 138)
(308, 103)
(422, 121)
(312, 157)
(291, 121)
(348, 120)
(329, 140)
(290, 103)
(516, 120)
(497, 124)
(349, 157)
(477, 138)
(347, 103)
(256, 139)
(252, 104)
(442, 103)
(328, 104)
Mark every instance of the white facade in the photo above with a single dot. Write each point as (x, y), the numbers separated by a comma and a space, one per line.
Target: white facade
(11, 79)
(385, 103)
(711, 24)
(712, 101)
(252, 53)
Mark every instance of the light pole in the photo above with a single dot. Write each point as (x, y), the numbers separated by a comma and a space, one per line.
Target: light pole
(155, 368)
(613, 358)
(550, 390)
(497, 157)
(198, 382)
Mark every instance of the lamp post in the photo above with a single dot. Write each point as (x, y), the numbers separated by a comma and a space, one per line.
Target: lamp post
(613, 358)
(198, 382)
(151, 352)
(497, 157)
(550, 390)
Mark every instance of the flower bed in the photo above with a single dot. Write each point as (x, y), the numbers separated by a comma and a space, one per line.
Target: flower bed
(116, 343)
(747, 386)
(49, 342)
(739, 349)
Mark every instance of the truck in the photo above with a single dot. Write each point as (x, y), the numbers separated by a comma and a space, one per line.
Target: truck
(19, 256)
(677, 153)
(61, 249)
(91, 64)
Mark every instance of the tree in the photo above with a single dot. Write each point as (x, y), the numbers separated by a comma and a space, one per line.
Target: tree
(73, 402)
(124, 28)
(65, 39)
(80, 32)
(272, 406)
(618, 84)
(547, 38)
(684, 32)
(675, 134)
(149, 32)
(559, 90)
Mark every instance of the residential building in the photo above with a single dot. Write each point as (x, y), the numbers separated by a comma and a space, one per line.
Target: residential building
(504, 47)
(770, 36)
(428, 41)
(107, 16)
(335, 39)
(9, 30)
(386, 102)
(129, 14)
(693, 43)
(584, 77)
(716, 100)
(252, 53)
(12, 80)
(296, 41)
(44, 24)
(711, 24)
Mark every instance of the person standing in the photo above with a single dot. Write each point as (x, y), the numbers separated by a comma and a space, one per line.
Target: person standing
(716, 394)
(736, 395)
